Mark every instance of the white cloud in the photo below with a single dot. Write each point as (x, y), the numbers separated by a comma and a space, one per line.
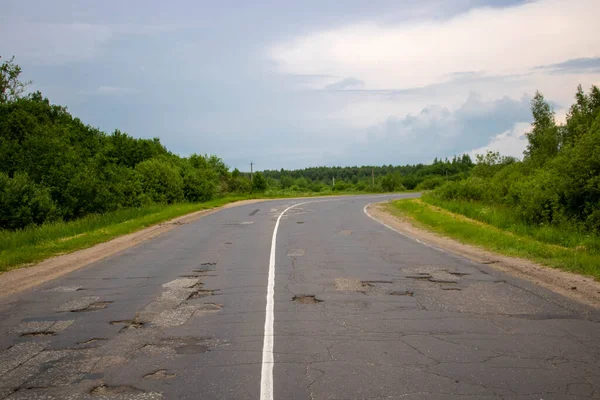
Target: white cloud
(499, 41)
(509, 143)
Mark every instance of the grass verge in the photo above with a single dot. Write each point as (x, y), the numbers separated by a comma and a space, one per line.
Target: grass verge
(497, 230)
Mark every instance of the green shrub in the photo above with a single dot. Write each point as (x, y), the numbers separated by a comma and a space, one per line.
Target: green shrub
(23, 203)
(161, 180)
(431, 183)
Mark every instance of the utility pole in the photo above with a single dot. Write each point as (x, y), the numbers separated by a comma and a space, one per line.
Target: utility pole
(333, 181)
(372, 177)
(251, 171)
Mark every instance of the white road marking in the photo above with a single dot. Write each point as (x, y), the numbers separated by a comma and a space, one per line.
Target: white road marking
(266, 378)
(402, 233)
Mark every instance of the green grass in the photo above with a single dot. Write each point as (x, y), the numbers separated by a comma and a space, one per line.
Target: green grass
(498, 230)
(31, 245)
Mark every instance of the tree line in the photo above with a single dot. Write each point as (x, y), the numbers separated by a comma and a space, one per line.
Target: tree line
(384, 178)
(558, 181)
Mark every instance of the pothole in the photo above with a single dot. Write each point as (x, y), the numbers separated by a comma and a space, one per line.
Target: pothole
(451, 288)
(254, 212)
(42, 328)
(455, 273)
(93, 340)
(490, 262)
(212, 263)
(189, 276)
(306, 299)
(99, 305)
(437, 280)
(66, 289)
(211, 307)
(422, 276)
(34, 334)
(191, 345)
(106, 391)
(203, 269)
(128, 324)
(402, 293)
(200, 293)
(160, 374)
(299, 222)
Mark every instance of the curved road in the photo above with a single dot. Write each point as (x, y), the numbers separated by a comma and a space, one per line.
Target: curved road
(316, 301)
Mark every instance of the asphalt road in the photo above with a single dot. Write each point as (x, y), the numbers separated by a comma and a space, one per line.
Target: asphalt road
(345, 308)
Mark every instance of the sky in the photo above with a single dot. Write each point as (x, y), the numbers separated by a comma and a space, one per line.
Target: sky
(318, 82)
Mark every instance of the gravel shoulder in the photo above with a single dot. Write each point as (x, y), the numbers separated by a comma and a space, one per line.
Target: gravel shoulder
(18, 280)
(583, 289)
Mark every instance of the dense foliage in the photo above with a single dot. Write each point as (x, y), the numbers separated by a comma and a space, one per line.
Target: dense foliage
(558, 182)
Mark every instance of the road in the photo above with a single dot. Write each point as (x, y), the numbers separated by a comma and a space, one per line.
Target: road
(344, 307)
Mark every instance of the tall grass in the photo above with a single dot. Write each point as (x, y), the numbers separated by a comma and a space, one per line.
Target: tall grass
(506, 219)
(526, 242)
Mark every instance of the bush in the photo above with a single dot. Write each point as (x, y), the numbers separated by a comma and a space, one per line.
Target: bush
(23, 203)
(431, 183)
(161, 180)
(259, 183)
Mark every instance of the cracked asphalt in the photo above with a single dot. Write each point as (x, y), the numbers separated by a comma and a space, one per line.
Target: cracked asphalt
(360, 312)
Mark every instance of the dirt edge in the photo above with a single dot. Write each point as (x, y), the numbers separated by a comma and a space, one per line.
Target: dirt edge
(20, 279)
(586, 291)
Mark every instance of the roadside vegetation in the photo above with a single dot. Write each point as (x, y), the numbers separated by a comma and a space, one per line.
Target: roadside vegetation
(545, 207)
(55, 168)
(579, 253)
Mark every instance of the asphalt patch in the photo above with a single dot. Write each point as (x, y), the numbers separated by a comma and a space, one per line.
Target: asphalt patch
(99, 305)
(105, 391)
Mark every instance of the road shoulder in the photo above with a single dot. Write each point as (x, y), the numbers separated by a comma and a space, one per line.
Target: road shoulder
(583, 289)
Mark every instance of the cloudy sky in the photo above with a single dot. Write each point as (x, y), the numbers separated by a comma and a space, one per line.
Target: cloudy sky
(315, 82)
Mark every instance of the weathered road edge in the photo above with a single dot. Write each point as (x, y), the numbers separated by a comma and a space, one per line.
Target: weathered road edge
(18, 280)
(587, 290)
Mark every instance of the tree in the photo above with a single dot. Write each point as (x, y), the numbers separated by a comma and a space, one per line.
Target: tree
(11, 88)
(259, 183)
(543, 138)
